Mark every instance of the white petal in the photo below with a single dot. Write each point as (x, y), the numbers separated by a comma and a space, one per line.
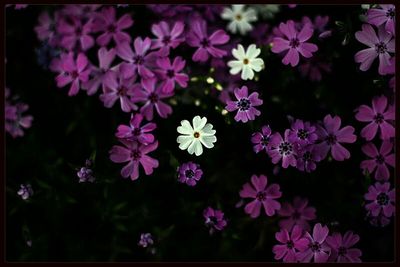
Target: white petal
(184, 141)
(239, 53)
(208, 130)
(232, 26)
(198, 149)
(208, 141)
(247, 73)
(192, 146)
(237, 8)
(198, 123)
(227, 13)
(257, 64)
(252, 51)
(186, 128)
(244, 27)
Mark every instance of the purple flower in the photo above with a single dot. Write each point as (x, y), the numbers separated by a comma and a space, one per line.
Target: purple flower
(282, 149)
(146, 240)
(262, 194)
(331, 138)
(317, 247)
(261, 140)
(245, 105)
(198, 37)
(74, 33)
(379, 116)
(167, 38)
(189, 173)
(119, 88)
(313, 69)
(295, 42)
(14, 119)
(152, 96)
(302, 133)
(383, 15)
(134, 153)
(291, 244)
(171, 73)
(379, 46)
(378, 221)
(214, 219)
(25, 191)
(380, 198)
(46, 30)
(297, 213)
(110, 27)
(307, 157)
(135, 132)
(378, 160)
(73, 72)
(85, 173)
(319, 25)
(341, 247)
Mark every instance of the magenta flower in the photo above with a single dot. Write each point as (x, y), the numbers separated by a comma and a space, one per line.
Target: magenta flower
(135, 132)
(171, 73)
(292, 244)
(198, 37)
(25, 191)
(379, 46)
(14, 119)
(332, 137)
(381, 199)
(46, 30)
(297, 213)
(378, 160)
(74, 33)
(73, 72)
(302, 132)
(282, 149)
(152, 96)
(135, 154)
(383, 15)
(167, 38)
(342, 247)
(189, 173)
(110, 27)
(295, 42)
(214, 219)
(262, 194)
(307, 157)
(261, 140)
(318, 249)
(245, 105)
(380, 116)
(319, 25)
(146, 240)
(119, 88)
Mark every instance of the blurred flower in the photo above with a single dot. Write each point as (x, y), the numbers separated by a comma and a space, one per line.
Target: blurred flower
(240, 18)
(194, 138)
(246, 61)
(135, 132)
(307, 157)
(292, 244)
(261, 140)
(46, 30)
(75, 33)
(383, 15)
(378, 160)
(166, 37)
(262, 194)
(189, 173)
(313, 69)
(319, 25)
(214, 219)
(317, 248)
(171, 73)
(282, 149)
(85, 173)
(245, 105)
(14, 120)
(267, 11)
(25, 191)
(342, 247)
(146, 240)
(380, 198)
(297, 213)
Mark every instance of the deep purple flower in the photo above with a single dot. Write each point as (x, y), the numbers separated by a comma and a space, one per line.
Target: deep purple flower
(319, 25)
(110, 27)
(291, 244)
(189, 173)
(302, 133)
(282, 149)
(313, 69)
(342, 247)
(146, 240)
(214, 219)
(171, 73)
(198, 37)
(75, 33)
(307, 157)
(297, 213)
(245, 105)
(85, 173)
(379, 46)
(378, 221)
(25, 191)
(167, 38)
(135, 132)
(378, 160)
(317, 247)
(261, 140)
(380, 198)
(152, 95)
(295, 42)
(134, 153)
(332, 136)
(383, 15)
(379, 116)
(73, 72)
(262, 194)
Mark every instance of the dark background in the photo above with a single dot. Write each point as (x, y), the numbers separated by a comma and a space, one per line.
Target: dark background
(69, 221)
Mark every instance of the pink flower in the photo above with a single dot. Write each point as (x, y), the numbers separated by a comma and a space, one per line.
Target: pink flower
(262, 194)
(73, 72)
(295, 42)
(14, 119)
(214, 219)
(74, 33)
(379, 46)
(282, 149)
(297, 214)
(318, 249)
(291, 244)
(46, 30)
(380, 199)
(167, 38)
(135, 154)
(378, 160)
(379, 117)
(135, 132)
(261, 140)
(341, 247)
(383, 15)
(245, 105)
(171, 73)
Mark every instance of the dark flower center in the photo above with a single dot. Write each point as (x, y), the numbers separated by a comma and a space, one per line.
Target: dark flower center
(285, 148)
(111, 28)
(78, 31)
(196, 134)
(189, 174)
(170, 73)
(380, 47)
(153, 98)
(74, 74)
(166, 39)
(307, 156)
(294, 42)
(331, 139)
(205, 42)
(265, 140)
(121, 91)
(302, 134)
(246, 61)
(135, 154)
(243, 104)
(139, 60)
(261, 196)
(315, 247)
(382, 199)
(238, 17)
(342, 251)
(296, 215)
(380, 159)
(390, 13)
(136, 131)
(379, 118)
(290, 244)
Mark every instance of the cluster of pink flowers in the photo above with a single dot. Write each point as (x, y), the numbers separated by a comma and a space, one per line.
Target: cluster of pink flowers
(15, 121)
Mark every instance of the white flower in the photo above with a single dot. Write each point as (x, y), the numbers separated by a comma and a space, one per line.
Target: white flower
(240, 18)
(194, 138)
(246, 61)
(267, 11)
